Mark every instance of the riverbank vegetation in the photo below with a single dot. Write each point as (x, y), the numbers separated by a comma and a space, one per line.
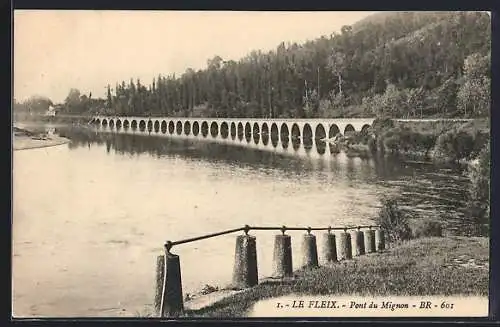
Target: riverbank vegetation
(441, 141)
(407, 64)
(455, 266)
(479, 192)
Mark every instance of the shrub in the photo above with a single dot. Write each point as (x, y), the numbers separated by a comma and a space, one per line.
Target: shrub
(372, 145)
(393, 222)
(427, 228)
(481, 140)
(382, 124)
(379, 142)
(455, 145)
(392, 143)
(479, 192)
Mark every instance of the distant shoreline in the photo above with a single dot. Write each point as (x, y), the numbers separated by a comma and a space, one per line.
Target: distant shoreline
(23, 139)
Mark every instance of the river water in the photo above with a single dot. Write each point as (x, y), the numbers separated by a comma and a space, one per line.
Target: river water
(91, 216)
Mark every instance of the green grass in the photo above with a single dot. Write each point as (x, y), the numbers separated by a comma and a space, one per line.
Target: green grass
(424, 266)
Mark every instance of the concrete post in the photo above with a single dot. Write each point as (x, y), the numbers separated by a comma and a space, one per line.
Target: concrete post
(245, 262)
(282, 261)
(345, 246)
(369, 241)
(329, 248)
(379, 240)
(160, 275)
(358, 243)
(172, 301)
(309, 251)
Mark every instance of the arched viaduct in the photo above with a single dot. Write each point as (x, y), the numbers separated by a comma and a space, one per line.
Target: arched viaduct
(274, 130)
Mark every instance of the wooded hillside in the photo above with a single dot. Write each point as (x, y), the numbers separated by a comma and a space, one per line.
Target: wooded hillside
(408, 64)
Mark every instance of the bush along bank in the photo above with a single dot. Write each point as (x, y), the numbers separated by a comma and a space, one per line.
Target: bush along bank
(438, 141)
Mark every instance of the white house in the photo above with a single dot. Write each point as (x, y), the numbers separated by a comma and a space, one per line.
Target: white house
(51, 111)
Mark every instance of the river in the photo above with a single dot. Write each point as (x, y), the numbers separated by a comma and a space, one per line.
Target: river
(91, 216)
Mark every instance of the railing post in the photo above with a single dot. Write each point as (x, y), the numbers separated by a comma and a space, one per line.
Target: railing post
(282, 256)
(172, 301)
(369, 240)
(160, 275)
(379, 239)
(329, 247)
(310, 251)
(345, 246)
(245, 272)
(358, 242)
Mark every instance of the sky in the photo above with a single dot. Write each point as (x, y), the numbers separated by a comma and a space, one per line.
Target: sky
(56, 50)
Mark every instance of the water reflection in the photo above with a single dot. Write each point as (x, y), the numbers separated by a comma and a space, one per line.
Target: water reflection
(423, 190)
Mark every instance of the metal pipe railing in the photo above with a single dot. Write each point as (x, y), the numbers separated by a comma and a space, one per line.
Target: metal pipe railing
(247, 228)
(168, 297)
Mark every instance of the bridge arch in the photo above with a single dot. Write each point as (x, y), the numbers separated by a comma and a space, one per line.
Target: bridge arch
(187, 127)
(126, 124)
(275, 136)
(233, 130)
(150, 125)
(214, 129)
(204, 129)
(196, 128)
(171, 127)
(104, 122)
(157, 126)
(348, 129)
(248, 132)
(265, 134)
(98, 122)
(295, 131)
(256, 133)
(285, 133)
(134, 125)
(365, 128)
(142, 125)
(307, 131)
(240, 131)
(111, 123)
(319, 137)
(320, 132)
(307, 136)
(333, 131)
(118, 124)
(224, 130)
(163, 126)
(178, 127)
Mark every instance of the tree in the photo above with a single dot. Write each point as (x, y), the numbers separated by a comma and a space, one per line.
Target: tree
(72, 102)
(446, 97)
(38, 104)
(109, 98)
(473, 97)
(413, 100)
(336, 65)
(387, 68)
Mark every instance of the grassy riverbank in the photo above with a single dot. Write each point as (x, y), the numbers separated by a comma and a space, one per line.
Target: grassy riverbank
(426, 266)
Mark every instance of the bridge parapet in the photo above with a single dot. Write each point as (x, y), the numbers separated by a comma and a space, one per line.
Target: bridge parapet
(316, 128)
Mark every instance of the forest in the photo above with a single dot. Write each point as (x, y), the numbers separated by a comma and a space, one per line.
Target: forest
(402, 64)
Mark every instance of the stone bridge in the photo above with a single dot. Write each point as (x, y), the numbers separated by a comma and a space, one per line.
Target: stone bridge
(277, 129)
